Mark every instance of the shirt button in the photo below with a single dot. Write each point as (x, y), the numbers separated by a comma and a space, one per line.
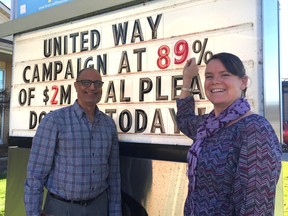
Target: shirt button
(93, 154)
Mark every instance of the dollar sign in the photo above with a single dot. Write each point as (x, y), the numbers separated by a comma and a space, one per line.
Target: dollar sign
(46, 97)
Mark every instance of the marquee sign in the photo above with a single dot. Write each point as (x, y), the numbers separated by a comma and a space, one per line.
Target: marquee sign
(140, 53)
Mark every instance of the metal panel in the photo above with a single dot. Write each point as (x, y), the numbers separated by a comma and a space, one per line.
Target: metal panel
(271, 75)
(271, 72)
(157, 187)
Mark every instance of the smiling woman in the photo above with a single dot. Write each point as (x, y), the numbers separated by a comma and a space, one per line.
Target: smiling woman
(231, 134)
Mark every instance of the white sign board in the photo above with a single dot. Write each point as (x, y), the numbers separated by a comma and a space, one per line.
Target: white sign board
(140, 52)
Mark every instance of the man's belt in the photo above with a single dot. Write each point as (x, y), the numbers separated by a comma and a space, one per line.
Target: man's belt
(79, 202)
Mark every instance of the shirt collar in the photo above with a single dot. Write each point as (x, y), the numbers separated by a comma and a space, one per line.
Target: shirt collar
(80, 112)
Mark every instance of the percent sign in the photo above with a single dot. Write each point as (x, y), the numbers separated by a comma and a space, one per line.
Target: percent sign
(181, 49)
(198, 47)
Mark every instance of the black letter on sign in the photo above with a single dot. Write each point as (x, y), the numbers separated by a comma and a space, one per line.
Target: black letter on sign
(110, 92)
(124, 63)
(139, 57)
(173, 116)
(57, 68)
(121, 120)
(33, 119)
(24, 74)
(154, 26)
(69, 70)
(158, 122)
(83, 41)
(95, 39)
(197, 87)
(137, 31)
(30, 95)
(158, 90)
(57, 45)
(22, 97)
(65, 95)
(47, 48)
(74, 36)
(121, 33)
(144, 90)
(36, 74)
(102, 64)
(139, 113)
(47, 72)
(122, 92)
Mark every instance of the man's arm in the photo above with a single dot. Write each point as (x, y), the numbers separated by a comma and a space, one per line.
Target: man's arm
(114, 191)
(39, 165)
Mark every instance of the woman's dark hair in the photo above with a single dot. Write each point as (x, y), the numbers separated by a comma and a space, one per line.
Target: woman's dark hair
(232, 63)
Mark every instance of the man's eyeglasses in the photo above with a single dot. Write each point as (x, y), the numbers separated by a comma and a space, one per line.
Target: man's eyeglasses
(87, 83)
